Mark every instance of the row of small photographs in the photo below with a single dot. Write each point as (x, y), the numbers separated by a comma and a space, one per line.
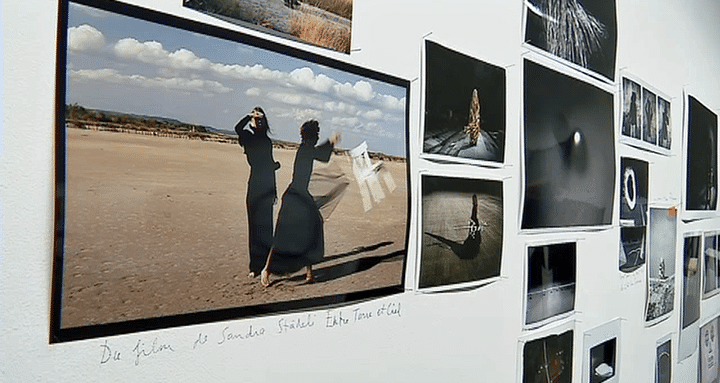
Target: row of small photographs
(645, 117)
(549, 357)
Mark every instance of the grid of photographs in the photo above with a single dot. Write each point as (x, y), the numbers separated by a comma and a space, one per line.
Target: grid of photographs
(633, 213)
(661, 264)
(702, 157)
(551, 276)
(464, 107)
(462, 231)
(569, 151)
(174, 141)
(325, 23)
(645, 117)
(711, 264)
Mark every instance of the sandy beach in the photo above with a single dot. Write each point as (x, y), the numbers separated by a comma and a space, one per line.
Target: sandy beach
(157, 226)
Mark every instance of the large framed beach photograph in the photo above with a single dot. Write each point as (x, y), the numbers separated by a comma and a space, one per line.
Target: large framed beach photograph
(196, 165)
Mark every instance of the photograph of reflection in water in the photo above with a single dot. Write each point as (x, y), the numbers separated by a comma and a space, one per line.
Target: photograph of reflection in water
(569, 151)
(464, 106)
(702, 150)
(550, 281)
(462, 225)
(580, 31)
(548, 359)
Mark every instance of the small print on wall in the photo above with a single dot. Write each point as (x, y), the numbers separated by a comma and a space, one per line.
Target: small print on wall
(600, 353)
(464, 106)
(462, 230)
(632, 115)
(580, 31)
(708, 361)
(569, 151)
(551, 276)
(633, 213)
(661, 264)
(664, 126)
(691, 280)
(663, 362)
(711, 268)
(702, 148)
(549, 359)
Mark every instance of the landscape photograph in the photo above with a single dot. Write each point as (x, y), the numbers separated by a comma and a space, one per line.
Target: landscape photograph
(325, 23)
(661, 264)
(157, 177)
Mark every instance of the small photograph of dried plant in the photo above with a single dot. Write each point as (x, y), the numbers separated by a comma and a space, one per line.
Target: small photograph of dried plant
(326, 23)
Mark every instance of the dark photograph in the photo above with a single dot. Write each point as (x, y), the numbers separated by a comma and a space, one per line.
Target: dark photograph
(710, 265)
(325, 23)
(632, 113)
(462, 224)
(464, 106)
(583, 32)
(208, 175)
(691, 280)
(549, 359)
(602, 361)
(708, 361)
(569, 151)
(649, 121)
(663, 363)
(633, 192)
(661, 263)
(664, 126)
(551, 280)
(632, 248)
(702, 147)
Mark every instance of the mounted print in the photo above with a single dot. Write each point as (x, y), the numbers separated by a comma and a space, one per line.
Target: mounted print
(325, 23)
(581, 32)
(462, 231)
(633, 213)
(663, 361)
(632, 115)
(551, 276)
(548, 359)
(664, 125)
(661, 264)
(569, 151)
(645, 121)
(708, 360)
(464, 106)
(711, 264)
(600, 353)
(702, 157)
(196, 166)
(690, 296)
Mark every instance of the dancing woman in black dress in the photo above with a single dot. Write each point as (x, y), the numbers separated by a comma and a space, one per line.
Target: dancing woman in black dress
(252, 133)
(299, 240)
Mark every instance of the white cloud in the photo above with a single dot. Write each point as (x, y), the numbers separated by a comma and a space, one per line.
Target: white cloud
(287, 98)
(254, 92)
(391, 102)
(374, 114)
(340, 107)
(361, 90)
(85, 38)
(346, 122)
(167, 83)
(306, 78)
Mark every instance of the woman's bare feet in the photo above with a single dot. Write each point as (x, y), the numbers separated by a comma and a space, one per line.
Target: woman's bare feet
(265, 277)
(309, 275)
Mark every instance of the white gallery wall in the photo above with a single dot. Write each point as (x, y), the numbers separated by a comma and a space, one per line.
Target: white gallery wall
(464, 336)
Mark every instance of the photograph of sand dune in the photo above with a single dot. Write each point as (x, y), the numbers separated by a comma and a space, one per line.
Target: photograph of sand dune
(326, 23)
(183, 154)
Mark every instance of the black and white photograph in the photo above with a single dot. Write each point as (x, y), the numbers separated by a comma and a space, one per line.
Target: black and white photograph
(663, 362)
(464, 106)
(632, 248)
(708, 361)
(661, 264)
(691, 280)
(664, 123)
(551, 277)
(632, 112)
(633, 192)
(711, 284)
(549, 359)
(569, 153)
(602, 361)
(582, 32)
(649, 121)
(462, 230)
(205, 175)
(600, 353)
(325, 23)
(702, 157)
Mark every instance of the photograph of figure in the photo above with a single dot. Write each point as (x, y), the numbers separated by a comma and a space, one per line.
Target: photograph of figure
(551, 276)
(702, 157)
(691, 280)
(708, 360)
(569, 151)
(462, 226)
(661, 263)
(649, 121)
(663, 362)
(583, 32)
(664, 126)
(632, 113)
(188, 162)
(325, 23)
(549, 359)
(710, 265)
(464, 106)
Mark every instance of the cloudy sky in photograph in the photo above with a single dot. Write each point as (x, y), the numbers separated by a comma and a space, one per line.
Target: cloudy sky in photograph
(128, 65)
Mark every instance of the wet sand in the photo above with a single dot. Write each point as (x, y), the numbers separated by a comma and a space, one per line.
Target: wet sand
(157, 226)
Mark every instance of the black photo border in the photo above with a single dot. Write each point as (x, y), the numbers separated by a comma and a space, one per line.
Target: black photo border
(57, 334)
